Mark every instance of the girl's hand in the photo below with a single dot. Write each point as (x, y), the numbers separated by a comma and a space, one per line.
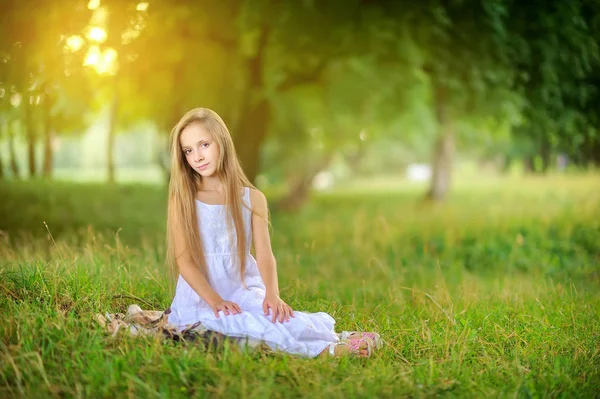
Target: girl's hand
(279, 308)
(226, 307)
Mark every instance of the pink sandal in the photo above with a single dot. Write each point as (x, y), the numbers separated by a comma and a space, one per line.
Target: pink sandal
(373, 336)
(355, 345)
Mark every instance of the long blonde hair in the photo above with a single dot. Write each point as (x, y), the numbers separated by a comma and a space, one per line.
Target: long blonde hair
(185, 182)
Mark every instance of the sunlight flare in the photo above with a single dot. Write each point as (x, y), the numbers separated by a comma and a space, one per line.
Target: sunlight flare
(93, 4)
(74, 43)
(92, 57)
(108, 62)
(96, 34)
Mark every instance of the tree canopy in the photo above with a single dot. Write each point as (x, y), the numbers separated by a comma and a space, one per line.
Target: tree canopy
(326, 79)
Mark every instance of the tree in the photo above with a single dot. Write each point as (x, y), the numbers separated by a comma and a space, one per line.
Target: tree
(118, 24)
(457, 51)
(241, 72)
(462, 49)
(337, 118)
(557, 53)
(34, 68)
(18, 69)
(193, 69)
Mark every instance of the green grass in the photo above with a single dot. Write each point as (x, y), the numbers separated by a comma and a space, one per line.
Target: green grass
(495, 293)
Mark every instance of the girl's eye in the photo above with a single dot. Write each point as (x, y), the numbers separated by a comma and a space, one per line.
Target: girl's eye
(186, 152)
(205, 145)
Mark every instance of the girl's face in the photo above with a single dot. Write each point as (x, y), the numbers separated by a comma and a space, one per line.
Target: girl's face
(201, 151)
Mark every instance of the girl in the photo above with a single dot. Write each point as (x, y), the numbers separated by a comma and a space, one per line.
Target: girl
(214, 216)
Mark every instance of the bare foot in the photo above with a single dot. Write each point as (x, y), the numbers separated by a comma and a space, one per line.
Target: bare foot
(373, 336)
(361, 347)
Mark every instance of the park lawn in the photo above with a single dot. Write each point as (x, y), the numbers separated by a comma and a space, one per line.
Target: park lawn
(495, 293)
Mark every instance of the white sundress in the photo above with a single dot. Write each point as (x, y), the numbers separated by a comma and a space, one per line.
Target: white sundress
(307, 334)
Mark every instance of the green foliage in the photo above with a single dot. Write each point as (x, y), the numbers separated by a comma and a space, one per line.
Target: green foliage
(37, 68)
(556, 58)
(320, 73)
(493, 294)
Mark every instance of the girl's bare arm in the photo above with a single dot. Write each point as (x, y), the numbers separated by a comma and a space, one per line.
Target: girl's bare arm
(265, 259)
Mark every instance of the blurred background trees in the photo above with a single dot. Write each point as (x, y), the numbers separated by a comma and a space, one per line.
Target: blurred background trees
(314, 93)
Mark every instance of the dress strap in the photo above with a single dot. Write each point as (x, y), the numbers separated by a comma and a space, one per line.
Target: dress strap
(247, 197)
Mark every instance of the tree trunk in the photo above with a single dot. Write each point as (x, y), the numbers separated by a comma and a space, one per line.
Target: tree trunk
(161, 151)
(528, 164)
(594, 150)
(161, 154)
(48, 153)
(12, 158)
(301, 188)
(110, 142)
(251, 133)
(3, 131)
(354, 159)
(508, 160)
(253, 124)
(444, 150)
(30, 135)
(544, 155)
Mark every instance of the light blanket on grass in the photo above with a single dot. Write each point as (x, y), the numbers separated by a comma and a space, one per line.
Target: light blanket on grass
(138, 322)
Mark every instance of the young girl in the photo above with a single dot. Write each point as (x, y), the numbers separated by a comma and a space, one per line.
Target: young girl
(214, 216)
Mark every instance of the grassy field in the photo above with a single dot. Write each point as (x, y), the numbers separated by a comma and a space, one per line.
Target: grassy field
(495, 293)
